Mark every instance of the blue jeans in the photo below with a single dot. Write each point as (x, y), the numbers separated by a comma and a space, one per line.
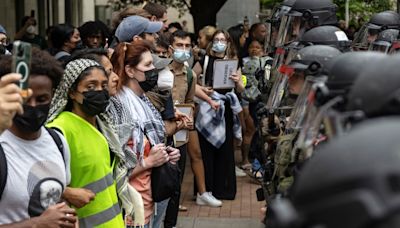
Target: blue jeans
(159, 214)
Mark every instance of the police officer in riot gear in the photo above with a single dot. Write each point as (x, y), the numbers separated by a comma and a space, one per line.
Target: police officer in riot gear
(297, 16)
(331, 100)
(376, 92)
(352, 182)
(369, 32)
(301, 15)
(303, 72)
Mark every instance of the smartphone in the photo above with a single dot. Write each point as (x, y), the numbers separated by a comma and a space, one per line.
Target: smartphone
(21, 63)
(33, 13)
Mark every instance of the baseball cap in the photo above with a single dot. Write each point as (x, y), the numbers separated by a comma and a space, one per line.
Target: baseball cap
(135, 25)
(2, 30)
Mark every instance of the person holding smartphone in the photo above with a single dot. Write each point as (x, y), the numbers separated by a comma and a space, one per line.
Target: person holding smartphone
(10, 100)
(28, 32)
(36, 158)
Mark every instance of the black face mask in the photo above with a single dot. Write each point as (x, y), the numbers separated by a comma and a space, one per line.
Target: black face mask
(2, 49)
(151, 80)
(95, 102)
(32, 119)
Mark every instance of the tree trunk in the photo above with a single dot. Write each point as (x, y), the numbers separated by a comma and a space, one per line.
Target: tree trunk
(398, 6)
(204, 12)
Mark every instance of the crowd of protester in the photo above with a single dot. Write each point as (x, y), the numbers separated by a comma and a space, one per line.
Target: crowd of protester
(94, 140)
(86, 146)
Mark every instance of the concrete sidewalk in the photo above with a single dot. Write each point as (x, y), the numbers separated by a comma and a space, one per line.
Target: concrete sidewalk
(191, 222)
(242, 212)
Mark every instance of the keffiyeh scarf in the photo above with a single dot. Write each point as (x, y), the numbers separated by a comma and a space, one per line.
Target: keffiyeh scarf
(128, 196)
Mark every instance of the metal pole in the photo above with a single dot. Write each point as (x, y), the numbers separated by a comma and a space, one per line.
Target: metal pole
(347, 13)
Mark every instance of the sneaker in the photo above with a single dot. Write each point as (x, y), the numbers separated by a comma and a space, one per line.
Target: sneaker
(239, 172)
(207, 199)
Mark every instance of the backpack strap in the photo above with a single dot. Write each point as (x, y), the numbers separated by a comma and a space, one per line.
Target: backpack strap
(189, 77)
(57, 140)
(3, 170)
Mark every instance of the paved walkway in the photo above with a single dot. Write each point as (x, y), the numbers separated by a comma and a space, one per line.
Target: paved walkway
(244, 211)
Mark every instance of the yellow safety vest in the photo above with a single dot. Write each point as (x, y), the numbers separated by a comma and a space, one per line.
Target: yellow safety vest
(91, 169)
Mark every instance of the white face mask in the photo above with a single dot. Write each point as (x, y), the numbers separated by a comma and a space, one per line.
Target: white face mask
(31, 29)
(165, 80)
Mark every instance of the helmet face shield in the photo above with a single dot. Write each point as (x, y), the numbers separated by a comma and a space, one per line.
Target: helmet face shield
(366, 36)
(272, 25)
(360, 41)
(290, 29)
(380, 46)
(305, 102)
(292, 52)
(277, 92)
(310, 132)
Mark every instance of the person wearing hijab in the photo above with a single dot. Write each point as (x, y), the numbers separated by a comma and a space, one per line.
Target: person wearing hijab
(77, 112)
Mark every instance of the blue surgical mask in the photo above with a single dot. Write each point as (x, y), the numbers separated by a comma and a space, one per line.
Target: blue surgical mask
(181, 56)
(219, 47)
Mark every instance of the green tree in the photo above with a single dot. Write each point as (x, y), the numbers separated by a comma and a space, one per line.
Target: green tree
(358, 8)
(269, 4)
(363, 8)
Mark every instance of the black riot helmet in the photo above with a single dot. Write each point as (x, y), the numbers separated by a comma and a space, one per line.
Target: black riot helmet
(351, 182)
(378, 22)
(326, 35)
(342, 73)
(376, 92)
(309, 64)
(385, 40)
(302, 15)
(308, 61)
(312, 60)
(384, 20)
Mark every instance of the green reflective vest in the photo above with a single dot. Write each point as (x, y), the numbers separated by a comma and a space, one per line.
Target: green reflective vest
(91, 169)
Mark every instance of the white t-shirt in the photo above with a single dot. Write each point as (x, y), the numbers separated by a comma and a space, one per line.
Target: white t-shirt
(36, 178)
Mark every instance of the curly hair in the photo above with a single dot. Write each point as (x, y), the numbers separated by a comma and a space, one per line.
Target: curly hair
(42, 63)
(91, 28)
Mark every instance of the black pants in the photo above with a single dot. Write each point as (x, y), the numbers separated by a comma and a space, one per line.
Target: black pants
(219, 163)
(254, 146)
(171, 214)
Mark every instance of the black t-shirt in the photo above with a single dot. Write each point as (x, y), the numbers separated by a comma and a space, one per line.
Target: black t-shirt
(169, 112)
(209, 73)
(37, 41)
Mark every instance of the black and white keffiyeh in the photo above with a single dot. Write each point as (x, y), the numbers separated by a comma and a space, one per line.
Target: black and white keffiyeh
(135, 117)
(128, 196)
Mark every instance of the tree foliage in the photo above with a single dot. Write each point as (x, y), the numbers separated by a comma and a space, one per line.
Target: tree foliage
(358, 8)
(363, 8)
